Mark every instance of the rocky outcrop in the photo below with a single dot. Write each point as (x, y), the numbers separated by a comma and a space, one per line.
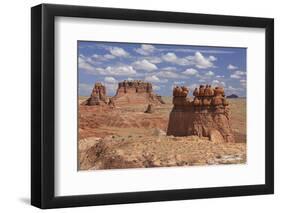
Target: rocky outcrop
(150, 108)
(128, 92)
(207, 115)
(98, 96)
(135, 86)
(136, 92)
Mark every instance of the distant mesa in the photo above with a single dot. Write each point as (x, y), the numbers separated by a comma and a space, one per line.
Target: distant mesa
(232, 96)
(128, 92)
(207, 115)
(136, 92)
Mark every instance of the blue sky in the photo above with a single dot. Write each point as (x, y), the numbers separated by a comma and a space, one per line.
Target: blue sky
(163, 65)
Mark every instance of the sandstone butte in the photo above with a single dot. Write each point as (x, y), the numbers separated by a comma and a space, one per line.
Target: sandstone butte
(128, 92)
(98, 96)
(136, 92)
(207, 115)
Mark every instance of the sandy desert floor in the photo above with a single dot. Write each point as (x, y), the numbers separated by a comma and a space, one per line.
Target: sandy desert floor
(126, 137)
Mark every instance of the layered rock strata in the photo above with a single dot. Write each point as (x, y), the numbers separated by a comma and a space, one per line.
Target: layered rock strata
(98, 96)
(136, 92)
(207, 115)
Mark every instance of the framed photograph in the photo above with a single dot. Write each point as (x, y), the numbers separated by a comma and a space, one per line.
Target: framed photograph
(140, 106)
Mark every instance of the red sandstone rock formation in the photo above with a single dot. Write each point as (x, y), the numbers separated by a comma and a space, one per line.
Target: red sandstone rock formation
(205, 116)
(98, 96)
(150, 109)
(136, 92)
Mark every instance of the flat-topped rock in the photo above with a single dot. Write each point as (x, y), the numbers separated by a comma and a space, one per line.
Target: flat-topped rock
(136, 92)
(135, 86)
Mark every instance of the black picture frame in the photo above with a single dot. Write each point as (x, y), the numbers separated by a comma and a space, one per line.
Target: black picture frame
(43, 102)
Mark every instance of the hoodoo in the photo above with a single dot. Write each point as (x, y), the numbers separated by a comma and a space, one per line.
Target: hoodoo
(98, 96)
(136, 92)
(207, 115)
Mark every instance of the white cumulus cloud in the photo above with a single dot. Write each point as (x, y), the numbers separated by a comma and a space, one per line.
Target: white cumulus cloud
(144, 65)
(243, 83)
(155, 79)
(105, 57)
(109, 79)
(202, 80)
(110, 88)
(190, 71)
(202, 62)
(231, 67)
(121, 70)
(230, 89)
(118, 52)
(111, 85)
(235, 76)
(156, 87)
(145, 49)
(198, 60)
(178, 82)
(154, 59)
(84, 64)
(212, 58)
(209, 73)
(192, 87)
(152, 79)
(168, 74)
(238, 74)
(172, 58)
(218, 83)
(109, 56)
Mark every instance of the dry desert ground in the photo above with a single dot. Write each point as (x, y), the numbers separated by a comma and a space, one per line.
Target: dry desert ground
(126, 137)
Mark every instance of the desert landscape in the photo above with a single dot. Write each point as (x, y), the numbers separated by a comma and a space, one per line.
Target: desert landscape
(136, 128)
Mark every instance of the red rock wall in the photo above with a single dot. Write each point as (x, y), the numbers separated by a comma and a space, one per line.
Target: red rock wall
(207, 115)
(136, 92)
(128, 92)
